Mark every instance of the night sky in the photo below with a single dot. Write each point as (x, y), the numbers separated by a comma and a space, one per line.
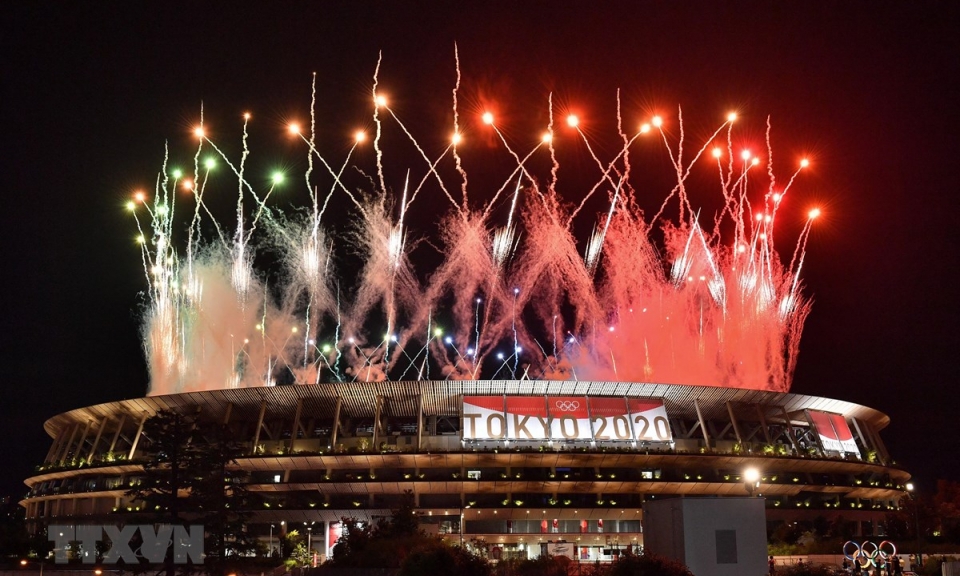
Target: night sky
(869, 90)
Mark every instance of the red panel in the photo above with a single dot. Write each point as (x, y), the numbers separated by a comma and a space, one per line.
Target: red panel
(821, 420)
(486, 402)
(607, 406)
(643, 404)
(527, 405)
(840, 425)
(575, 406)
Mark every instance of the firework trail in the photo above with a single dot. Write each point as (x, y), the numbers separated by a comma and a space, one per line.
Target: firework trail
(643, 299)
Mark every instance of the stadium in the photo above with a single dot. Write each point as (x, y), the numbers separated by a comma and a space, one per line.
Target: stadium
(518, 464)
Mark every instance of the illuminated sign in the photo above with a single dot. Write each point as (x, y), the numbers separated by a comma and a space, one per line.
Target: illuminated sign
(834, 432)
(565, 418)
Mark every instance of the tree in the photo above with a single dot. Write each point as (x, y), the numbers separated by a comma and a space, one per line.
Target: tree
(842, 528)
(219, 496)
(897, 525)
(15, 540)
(290, 546)
(289, 542)
(352, 545)
(382, 545)
(398, 543)
(821, 526)
(947, 506)
(783, 540)
(404, 520)
(539, 566)
(435, 557)
(300, 556)
(165, 477)
(191, 476)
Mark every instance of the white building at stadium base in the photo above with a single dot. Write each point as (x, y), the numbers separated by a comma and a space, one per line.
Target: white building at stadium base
(522, 465)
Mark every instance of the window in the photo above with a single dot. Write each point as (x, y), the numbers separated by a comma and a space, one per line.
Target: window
(726, 546)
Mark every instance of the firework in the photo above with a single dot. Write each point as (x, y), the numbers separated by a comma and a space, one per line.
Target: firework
(694, 299)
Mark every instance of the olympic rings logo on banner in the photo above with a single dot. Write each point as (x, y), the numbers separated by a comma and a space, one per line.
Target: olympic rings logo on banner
(567, 406)
(869, 554)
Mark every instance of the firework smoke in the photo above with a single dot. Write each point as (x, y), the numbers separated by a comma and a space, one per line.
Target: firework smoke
(644, 299)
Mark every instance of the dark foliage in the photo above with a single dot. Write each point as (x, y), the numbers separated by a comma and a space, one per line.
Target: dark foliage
(15, 541)
(191, 477)
(806, 570)
(383, 545)
(218, 494)
(435, 558)
(540, 566)
(647, 565)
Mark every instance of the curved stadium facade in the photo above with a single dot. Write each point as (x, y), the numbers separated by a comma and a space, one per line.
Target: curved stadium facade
(516, 463)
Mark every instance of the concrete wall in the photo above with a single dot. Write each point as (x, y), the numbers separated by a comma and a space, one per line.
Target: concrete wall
(712, 536)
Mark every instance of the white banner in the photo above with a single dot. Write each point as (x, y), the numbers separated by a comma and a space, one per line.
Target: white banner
(565, 418)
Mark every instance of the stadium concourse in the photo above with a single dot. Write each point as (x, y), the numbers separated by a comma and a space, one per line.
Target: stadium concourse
(524, 465)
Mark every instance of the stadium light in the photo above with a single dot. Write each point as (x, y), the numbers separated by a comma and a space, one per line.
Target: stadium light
(916, 521)
(751, 480)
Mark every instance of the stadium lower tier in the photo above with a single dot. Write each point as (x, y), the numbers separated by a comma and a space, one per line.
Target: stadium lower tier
(517, 464)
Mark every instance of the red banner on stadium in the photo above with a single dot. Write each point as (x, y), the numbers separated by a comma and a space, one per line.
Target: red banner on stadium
(833, 431)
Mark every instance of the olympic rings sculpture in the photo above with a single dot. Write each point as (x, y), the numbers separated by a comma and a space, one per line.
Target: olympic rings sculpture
(564, 406)
(868, 554)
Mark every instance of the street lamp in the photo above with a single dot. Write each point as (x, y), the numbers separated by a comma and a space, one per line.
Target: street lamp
(310, 545)
(916, 521)
(24, 563)
(270, 550)
(751, 480)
